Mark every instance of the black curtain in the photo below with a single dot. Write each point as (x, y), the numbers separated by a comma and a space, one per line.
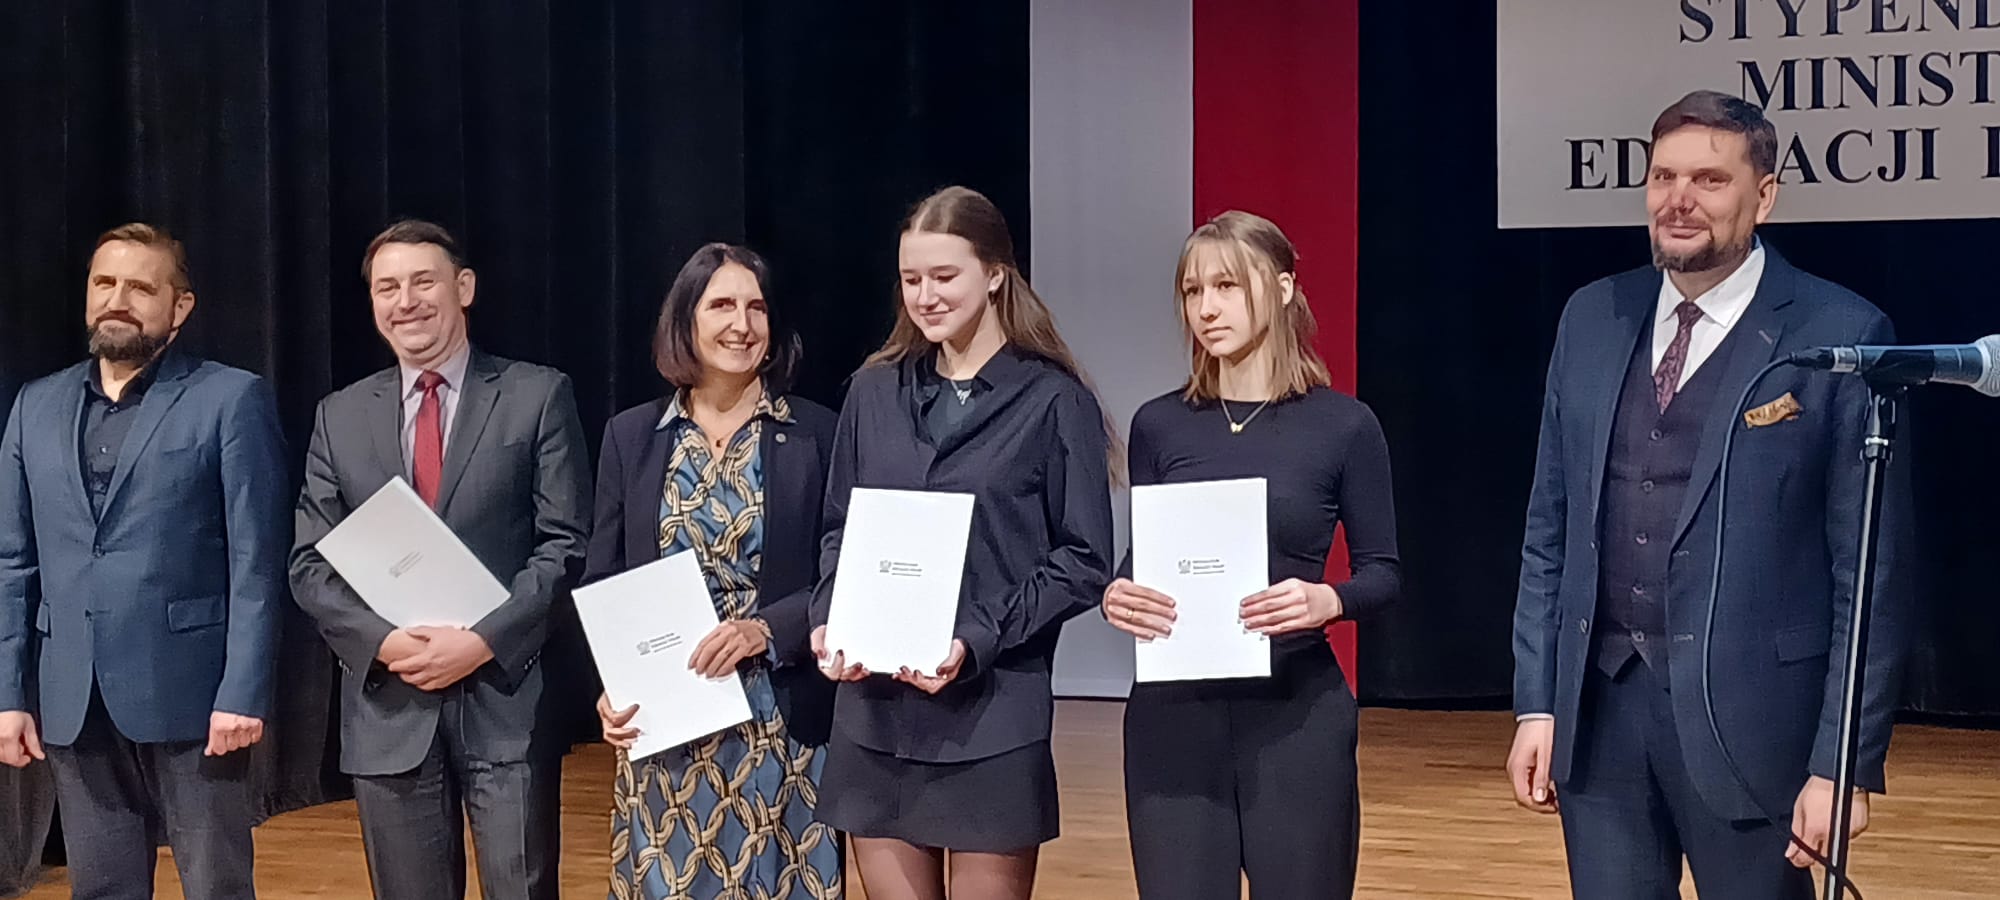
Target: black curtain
(1457, 318)
(580, 150)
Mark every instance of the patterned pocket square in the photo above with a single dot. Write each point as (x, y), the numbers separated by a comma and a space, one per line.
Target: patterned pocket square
(1782, 409)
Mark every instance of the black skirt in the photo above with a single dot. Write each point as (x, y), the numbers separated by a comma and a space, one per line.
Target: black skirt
(1000, 804)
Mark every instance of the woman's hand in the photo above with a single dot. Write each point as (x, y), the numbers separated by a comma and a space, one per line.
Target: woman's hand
(834, 667)
(931, 684)
(618, 731)
(1290, 605)
(1141, 612)
(726, 647)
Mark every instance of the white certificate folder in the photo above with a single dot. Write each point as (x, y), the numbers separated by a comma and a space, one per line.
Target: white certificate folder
(643, 625)
(407, 565)
(1205, 545)
(895, 591)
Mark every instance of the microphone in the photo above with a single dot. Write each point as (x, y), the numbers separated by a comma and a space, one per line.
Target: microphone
(1975, 365)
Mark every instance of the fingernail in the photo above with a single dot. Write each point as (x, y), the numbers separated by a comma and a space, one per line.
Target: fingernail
(1541, 795)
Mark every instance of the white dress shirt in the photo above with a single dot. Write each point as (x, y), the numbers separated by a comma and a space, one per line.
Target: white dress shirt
(1721, 308)
(453, 372)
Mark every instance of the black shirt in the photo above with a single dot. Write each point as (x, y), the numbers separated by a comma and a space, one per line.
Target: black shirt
(1030, 446)
(1325, 463)
(106, 422)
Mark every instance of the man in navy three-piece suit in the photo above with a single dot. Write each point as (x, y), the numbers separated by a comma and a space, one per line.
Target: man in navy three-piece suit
(1609, 622)
(143, 536)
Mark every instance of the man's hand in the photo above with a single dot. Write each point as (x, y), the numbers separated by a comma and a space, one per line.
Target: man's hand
(20, 744)
(398, 646)
(931, 684)
(229, 732)
(728, 645)
(449, 655)
(1290, 605)
(1528, 765)
(1812, 819)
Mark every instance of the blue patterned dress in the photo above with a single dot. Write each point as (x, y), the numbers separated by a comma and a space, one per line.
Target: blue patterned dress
(728, 817)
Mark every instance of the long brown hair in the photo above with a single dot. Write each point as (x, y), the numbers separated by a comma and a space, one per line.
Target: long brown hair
(1254, 252)
(1025, 321)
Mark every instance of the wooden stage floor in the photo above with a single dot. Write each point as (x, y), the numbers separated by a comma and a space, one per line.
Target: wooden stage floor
(1438, 820)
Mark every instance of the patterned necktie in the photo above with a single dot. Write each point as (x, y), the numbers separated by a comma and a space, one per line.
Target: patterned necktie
(1667, 378)
(427, 456)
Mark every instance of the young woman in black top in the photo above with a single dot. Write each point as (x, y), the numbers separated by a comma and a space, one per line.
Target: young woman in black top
(1257, 776)
(976, 393)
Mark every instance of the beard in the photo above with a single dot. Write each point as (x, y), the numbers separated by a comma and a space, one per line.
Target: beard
(1713, 256)
(134, 346)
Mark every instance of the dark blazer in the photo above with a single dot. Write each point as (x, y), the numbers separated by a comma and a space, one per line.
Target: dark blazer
(171, 601)
(632, 476)
(515, 488)
(1795, 494)
(1032, 452)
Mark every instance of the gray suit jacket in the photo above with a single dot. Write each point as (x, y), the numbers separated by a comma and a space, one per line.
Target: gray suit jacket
(515, 488)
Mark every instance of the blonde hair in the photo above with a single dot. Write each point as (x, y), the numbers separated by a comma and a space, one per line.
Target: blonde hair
(1253, 252)
(1024, 319)
(156, 238)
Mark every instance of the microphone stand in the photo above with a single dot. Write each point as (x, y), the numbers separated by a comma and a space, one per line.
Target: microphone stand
(1884, 395)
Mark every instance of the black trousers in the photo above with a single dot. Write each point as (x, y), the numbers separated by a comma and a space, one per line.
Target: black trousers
(118, 797)
(1630, 811)
(1253, 777)
(413, 824)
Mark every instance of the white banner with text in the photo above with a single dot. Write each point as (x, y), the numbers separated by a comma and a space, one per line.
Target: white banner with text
(1885, 109)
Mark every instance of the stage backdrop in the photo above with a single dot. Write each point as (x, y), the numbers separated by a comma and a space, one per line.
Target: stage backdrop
(580, 149)
(1885, 109)
(1147, 118)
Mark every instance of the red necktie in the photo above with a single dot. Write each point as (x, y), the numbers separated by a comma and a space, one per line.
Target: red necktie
(427, 456)
(1667, 378)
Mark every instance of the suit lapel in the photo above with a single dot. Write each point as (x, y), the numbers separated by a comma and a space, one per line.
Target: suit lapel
(645, 490)
(166, 390)
(475, 405)
(784, 484)
(1633, 301)
(385, 423)
(71, 412)
(1751, 344)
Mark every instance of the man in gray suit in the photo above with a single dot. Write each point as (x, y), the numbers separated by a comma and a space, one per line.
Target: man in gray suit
(439, 724)
(142, 555)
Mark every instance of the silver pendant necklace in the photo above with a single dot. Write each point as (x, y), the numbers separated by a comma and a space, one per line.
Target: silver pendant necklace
(964, 393)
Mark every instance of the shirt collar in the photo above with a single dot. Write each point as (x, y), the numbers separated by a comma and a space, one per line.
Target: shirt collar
(1007, 367)
(453, 370)
(134, 390)
(1724, 303)
(775, 409)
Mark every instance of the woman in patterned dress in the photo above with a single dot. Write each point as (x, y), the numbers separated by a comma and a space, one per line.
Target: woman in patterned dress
(730, 467)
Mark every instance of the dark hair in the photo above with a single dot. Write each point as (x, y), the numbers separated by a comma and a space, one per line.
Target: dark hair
(673, 337)
(1722, 112)
(412, 231)
(157, 238)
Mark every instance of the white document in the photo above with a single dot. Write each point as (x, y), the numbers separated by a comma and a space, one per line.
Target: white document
(895, 593)
(1203, 544)
(407, 565)
(643, 626)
